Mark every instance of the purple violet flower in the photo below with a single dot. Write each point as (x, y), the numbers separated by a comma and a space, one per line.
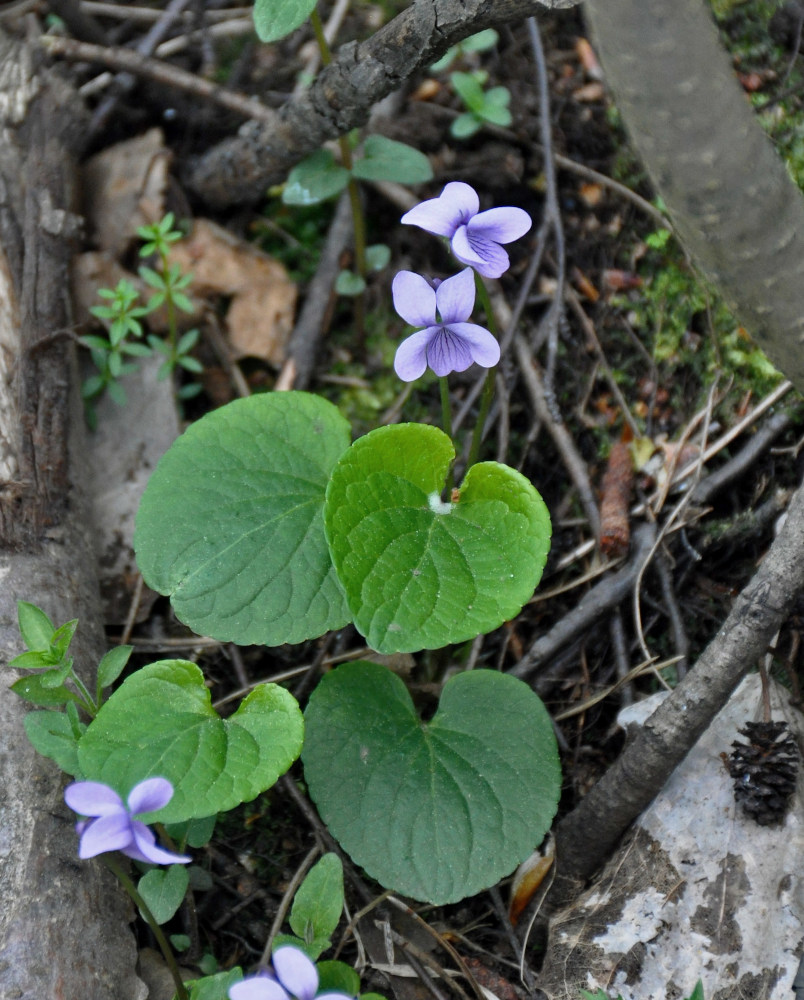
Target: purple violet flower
(113, 826)
(448, 344)
(475, 236)
(295, 975)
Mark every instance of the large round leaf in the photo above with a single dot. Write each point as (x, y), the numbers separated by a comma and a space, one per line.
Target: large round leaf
(160, 722)
(436, 811)
(230, 525)
(421, 573)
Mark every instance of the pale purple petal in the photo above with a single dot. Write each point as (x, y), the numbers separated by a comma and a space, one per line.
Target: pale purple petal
(296, 972)
(107, 833)
(483, 346)
(92, 798)
(145, 848)
(334, 996)
(455, 297)
(414, 299)
(149, 795)
(411, 355)
(456, 204)
(257, 988)
(485, 256)
(502, 225)
(448, 352)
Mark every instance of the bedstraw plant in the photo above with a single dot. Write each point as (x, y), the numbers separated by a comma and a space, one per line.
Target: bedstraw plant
(123, 313)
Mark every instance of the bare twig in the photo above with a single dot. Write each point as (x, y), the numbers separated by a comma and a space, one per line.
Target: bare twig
(680, 639)
(551, 324)
(558, 431)
(154, 69)
(675, 515)
(598, 601)
(287, 899)
(148, 15)
(241, 168)
(145, 47)
(309, 327)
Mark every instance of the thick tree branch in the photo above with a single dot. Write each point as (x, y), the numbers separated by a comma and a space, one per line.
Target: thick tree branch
(727, 192)
(242, 167)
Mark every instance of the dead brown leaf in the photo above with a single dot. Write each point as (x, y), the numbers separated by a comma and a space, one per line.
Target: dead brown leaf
(124, 188)
(263, 298)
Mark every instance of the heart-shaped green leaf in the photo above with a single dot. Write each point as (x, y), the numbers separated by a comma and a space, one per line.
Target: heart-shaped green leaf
(388, 160)
(231, 524)
(160, 722)
(421, 573)
(318, 903)
(163, 890)
(274, 19)
(441, 810)
(52, 735)
(315, 179)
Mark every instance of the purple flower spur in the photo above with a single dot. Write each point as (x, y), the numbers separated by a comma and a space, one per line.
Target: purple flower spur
(474, 236)
(448, 344)
(113, 826)
(295, 975)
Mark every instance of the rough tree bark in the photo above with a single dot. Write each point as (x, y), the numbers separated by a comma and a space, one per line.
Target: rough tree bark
(734, 206)
(63, 923)
(243, 167)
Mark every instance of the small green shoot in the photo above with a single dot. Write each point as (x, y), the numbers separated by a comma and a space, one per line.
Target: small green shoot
(123, 312)
(483, 106)
(319, 177)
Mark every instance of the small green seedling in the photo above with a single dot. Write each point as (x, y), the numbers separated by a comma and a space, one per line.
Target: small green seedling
(122, 311)
(483, 106)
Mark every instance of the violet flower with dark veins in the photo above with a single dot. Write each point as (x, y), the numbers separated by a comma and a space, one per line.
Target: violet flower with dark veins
(294, 975)
(113, 826)
(447, 343)
(474, 236)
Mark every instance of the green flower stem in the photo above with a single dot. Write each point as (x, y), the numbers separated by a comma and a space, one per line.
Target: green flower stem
(170, 305)
(170, 958)
(358, 218)
(446, 417)
(88, 703)
(488, 385)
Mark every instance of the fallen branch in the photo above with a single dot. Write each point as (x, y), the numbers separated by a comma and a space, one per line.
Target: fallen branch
(240, 168)
(585, 837)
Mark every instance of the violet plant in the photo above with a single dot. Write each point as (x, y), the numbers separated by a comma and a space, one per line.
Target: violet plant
(264, 524)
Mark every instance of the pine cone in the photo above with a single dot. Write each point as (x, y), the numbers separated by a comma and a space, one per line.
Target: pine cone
(765, 770)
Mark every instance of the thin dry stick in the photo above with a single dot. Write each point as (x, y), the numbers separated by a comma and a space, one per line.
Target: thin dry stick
(287, 899)
(443, 943)
(552, 211)
(309, 328)
(607, 594)
(680, 639)
(591, 333)
(129, 12)
(558, 431)
(154, 69)
(621, 660)
(134, 607)
(124, 82)
(675, 514)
